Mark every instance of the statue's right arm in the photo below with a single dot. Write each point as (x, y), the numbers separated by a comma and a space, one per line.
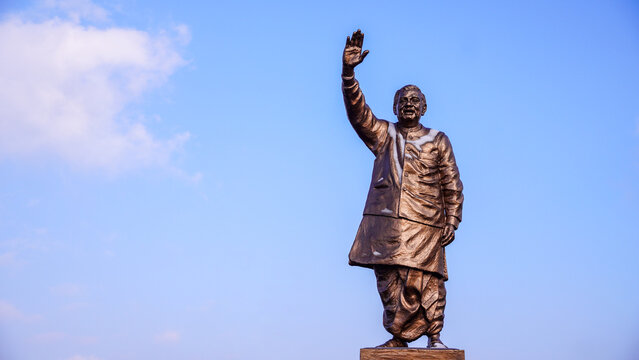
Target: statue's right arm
(370, 129)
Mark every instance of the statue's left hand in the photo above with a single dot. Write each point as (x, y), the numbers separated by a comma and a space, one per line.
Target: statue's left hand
(449, 234)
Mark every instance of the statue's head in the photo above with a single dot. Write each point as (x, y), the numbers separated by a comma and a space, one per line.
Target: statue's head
(409, 105)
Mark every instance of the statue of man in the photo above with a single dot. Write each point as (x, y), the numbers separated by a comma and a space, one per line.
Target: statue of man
(413, 208)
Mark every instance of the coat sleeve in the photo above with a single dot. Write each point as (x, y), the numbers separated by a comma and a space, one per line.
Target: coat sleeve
(370, 129)
(451, 184)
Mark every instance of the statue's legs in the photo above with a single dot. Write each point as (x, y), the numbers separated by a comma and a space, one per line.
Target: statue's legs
(413, 300)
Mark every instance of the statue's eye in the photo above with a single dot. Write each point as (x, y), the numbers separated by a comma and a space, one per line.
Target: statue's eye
(415, 99)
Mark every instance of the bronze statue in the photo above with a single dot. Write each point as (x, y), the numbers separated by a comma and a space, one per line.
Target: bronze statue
(413, 208)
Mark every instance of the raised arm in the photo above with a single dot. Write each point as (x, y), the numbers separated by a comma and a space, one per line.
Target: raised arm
(370, 129)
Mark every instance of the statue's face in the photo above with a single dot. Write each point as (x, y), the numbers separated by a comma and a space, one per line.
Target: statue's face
(410, 107)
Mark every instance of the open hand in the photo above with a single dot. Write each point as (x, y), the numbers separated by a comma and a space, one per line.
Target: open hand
(353, 54)
(448, 235)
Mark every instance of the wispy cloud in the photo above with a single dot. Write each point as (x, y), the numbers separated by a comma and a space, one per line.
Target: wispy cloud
(9, 259)
(83, 357)
(50, 337)
(33, 240)
(62, 337)
(77, 10)
(169, 336)
(66, 289)
(8, 312)
(78, 305)
(13, 250)
(65, 86)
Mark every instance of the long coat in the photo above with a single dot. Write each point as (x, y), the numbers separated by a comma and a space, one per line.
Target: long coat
(415, 178)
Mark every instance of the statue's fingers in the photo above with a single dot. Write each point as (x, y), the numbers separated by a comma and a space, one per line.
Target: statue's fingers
(448, 234)
(356, 37)
(450, 238)
(364, 54)
(348, 40)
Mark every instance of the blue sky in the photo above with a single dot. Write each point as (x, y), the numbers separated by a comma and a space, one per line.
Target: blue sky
(180, 181)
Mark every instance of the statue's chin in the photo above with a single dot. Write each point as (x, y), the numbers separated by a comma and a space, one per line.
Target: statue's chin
(408, 122)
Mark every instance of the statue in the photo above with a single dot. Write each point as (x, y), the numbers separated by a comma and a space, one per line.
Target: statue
(413, 208)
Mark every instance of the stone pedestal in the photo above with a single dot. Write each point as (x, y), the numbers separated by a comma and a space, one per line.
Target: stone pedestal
(410, 354)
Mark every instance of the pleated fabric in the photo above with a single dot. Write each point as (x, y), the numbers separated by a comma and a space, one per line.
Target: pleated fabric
(384, 240)
(413, 300)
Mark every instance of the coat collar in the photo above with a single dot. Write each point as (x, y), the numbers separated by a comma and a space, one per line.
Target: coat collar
(419, 130)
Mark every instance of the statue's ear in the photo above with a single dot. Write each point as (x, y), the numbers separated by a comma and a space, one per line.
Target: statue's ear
(424, 110)
(396, 101)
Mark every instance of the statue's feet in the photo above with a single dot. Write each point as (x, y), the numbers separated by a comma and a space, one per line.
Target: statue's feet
(394, 342)
(435, 343)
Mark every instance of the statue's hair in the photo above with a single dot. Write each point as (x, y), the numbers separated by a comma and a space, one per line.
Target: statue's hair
(408, 87)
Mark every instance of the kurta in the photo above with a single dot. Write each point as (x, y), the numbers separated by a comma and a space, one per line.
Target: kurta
(415, 190)
(385, 240)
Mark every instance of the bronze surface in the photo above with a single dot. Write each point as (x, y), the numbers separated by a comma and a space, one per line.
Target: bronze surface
(414, 204)
(410, 354)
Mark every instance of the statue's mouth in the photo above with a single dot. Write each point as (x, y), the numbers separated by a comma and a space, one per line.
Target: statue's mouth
(408, 111)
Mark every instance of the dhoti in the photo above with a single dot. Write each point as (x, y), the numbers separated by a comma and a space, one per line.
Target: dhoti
(414, 301)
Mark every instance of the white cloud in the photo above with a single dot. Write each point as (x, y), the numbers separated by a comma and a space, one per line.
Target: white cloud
(169, 336)
(82, 357)
(9, 312)
(13, 250)
(33, 241)
(78, 305)
(64, 87)
(67, 289)
(50, 337)
(61, 337)
(79, 9)
(33, 203)
(9, 259)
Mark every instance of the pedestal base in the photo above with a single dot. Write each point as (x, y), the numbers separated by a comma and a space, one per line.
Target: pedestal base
(410, 354)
